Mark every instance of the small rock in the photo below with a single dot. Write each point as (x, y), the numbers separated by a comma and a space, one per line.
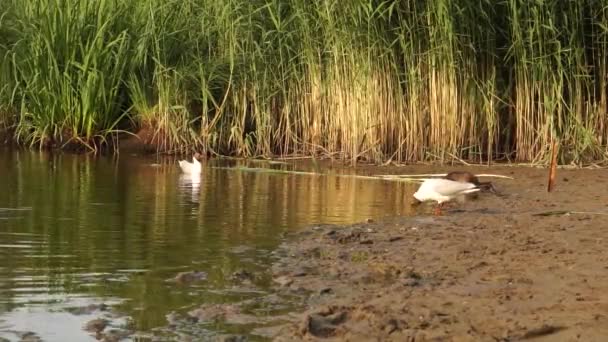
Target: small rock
(299, 291)
(314, 252)
(395, 238)
(232, 338)
(480, 264)
(347, 237)
(242, 275)
(413, 274)
(391, 326)
(323, 323)
(89, 309)
(411, 282)
(367, 242)
(172, 318)
(242, 319)
(29, 336)
(213, 312)
(270, 332)
(283, 281)
(241, 249)
(188, 277)
(544, 330)
(369, 220)
(96, 325)
(115, 335)
(343, 255)
(270, 300)
(299, 273)
(326, 290)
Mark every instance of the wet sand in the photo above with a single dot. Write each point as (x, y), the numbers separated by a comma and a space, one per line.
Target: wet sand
(489, 269)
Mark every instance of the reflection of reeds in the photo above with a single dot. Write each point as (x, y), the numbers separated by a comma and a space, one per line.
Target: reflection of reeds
(240, 205)
(101, 216)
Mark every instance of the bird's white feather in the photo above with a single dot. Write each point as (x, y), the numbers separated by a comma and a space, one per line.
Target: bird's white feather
(188, 167)
(443, 190)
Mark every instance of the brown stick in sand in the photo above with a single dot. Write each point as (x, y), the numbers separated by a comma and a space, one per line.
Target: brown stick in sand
(552, 167)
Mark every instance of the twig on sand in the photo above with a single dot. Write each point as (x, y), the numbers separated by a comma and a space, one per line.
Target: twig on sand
(553, 167)
(493, 175)
(442, 175)
(276, 171)
(541, 331)
(568, 212)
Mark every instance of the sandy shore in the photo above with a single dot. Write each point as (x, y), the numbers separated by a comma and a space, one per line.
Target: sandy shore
(492, 269)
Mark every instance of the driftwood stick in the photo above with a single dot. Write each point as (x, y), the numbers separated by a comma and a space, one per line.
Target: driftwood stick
(553, 167)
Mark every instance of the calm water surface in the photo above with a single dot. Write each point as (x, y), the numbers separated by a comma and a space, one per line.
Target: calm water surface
(77, 230)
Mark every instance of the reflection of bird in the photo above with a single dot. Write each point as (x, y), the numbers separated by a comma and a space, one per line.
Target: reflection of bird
(443, 190)
(467, 177)
(191, 168)
(191, 182)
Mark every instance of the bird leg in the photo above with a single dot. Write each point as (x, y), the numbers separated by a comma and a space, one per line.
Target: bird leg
(438, 209)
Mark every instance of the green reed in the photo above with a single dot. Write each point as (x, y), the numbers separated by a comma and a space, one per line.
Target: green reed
(67, 65)
(374, 80)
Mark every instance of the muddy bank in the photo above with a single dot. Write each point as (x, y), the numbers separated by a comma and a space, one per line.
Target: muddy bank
(143, 141)
(492, 269)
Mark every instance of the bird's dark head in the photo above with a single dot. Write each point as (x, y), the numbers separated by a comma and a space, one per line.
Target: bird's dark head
(462, 176)
(489, 187)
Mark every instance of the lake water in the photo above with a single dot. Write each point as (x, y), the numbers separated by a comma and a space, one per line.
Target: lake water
(76, 231)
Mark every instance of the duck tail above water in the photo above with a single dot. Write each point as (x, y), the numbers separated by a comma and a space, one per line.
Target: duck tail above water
(188, 167)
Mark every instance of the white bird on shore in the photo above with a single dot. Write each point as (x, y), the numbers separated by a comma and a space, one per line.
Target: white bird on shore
(191, 168)
(443, 190)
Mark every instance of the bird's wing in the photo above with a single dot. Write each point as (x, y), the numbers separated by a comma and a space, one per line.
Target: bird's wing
(447, 187)
(185, 165)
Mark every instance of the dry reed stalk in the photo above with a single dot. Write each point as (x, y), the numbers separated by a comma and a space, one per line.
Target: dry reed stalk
(553, 166)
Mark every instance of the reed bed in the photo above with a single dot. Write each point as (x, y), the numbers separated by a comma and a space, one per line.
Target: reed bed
(403, 81)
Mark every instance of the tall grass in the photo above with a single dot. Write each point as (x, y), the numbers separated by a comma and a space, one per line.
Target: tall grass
(364, 79)
(68, 62)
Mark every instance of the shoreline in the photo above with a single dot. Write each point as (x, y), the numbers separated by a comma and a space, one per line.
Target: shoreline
(490, 269)
(145, 143)
(524, 265)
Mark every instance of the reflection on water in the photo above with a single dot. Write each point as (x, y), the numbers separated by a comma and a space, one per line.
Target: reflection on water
(191, 184)
(78, 230)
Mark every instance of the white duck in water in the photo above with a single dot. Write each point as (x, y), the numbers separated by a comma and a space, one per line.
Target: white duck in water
(443, 190)
(191, 168)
